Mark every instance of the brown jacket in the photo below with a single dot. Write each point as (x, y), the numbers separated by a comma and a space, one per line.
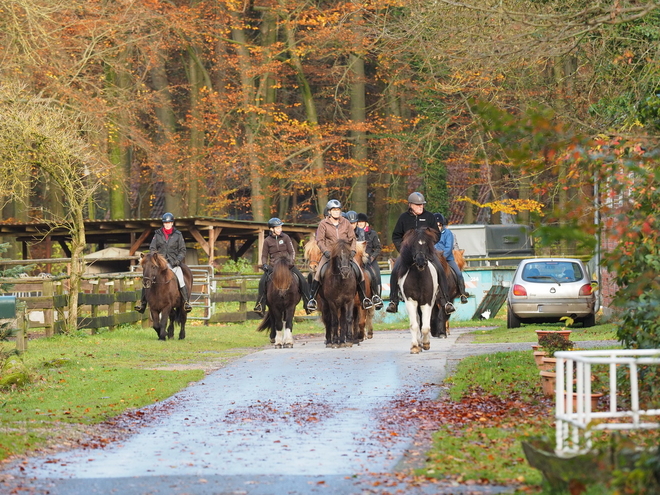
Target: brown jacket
(277, 246)
(327, 234)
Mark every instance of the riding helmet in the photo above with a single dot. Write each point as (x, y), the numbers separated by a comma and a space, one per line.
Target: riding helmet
(416, 198)
(274, 222)
(333, 203)
(440, 218)
(168, 217)
(352, 216)
(362, 217)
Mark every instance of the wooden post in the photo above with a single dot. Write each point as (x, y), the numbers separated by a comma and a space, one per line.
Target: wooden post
(242, 305)
(95, 290)
(48, 312)
(112, 305)
(59, 314)
(23, 323)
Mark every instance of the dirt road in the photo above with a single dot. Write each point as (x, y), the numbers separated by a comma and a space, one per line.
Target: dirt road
(288, 421)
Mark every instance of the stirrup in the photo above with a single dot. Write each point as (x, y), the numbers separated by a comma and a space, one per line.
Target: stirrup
(139, 307)
(449, 308)
(393, 307)
(311, 305)
(258, 308)
(187, 307)
(378, 302)
(367, 304)
(464, 299)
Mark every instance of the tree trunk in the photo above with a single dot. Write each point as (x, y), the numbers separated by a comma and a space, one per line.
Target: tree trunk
(359, 118)
(165, 196)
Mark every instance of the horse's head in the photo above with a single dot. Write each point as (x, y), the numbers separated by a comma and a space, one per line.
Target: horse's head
(152, 265)
(340, 256)
(417, 247)
(312, 254)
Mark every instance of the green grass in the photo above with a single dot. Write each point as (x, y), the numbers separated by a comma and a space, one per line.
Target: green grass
(86, 379)
(526, 333)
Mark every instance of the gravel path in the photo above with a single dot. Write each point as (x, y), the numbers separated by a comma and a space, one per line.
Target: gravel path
(292, 421)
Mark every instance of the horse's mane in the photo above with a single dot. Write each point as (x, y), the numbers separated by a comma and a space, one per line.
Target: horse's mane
(156, 259)
(413, 236)
(281, 274)
(340, 246)
(361, 253)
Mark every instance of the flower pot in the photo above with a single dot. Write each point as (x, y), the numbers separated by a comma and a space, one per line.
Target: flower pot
(548, 363)
(536, 347)
(594, 400)
(564, 333)
(538, 358)
(548, 382)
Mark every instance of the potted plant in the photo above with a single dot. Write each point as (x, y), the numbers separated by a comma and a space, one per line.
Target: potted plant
(550, 344)
(564, 332)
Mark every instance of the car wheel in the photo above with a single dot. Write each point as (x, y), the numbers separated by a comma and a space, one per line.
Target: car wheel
(589, 321)
(512, 321)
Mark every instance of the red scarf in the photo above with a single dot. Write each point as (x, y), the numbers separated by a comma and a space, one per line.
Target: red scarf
(168, 233)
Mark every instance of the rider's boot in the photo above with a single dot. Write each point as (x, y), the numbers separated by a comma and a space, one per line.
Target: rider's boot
(461, 289)
(142, 303)
(375, 298)
(186, 299)
(366, 302)
(311, 304)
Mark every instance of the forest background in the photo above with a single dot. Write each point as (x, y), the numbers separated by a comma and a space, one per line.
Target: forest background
(252, 109)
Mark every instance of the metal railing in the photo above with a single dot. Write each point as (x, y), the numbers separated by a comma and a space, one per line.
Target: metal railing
(575, 422)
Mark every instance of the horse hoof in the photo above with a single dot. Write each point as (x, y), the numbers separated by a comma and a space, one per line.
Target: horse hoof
(328, 346)
(415, 350)
(278, 346)
(272, 341)
(426, 347)
(288, 346)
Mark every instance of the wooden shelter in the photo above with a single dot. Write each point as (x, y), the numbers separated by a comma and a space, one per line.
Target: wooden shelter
(136, 233)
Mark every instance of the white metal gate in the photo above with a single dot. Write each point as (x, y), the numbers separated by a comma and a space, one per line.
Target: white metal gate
(200, 296)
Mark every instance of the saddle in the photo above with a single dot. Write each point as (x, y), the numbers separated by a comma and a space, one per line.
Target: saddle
(354, 265)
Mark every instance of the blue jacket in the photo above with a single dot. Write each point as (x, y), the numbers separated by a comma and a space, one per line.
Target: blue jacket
(446, 244)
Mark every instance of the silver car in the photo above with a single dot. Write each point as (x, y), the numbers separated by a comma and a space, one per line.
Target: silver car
(546, 289)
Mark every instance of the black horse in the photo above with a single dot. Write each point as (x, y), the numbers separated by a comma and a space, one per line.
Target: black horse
(337, 296)
(163, 296)
(420, 284)
(282, 297)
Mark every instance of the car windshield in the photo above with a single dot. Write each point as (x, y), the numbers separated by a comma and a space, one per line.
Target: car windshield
(552, 272)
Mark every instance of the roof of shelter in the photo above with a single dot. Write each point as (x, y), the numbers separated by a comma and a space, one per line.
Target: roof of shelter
(131, 230)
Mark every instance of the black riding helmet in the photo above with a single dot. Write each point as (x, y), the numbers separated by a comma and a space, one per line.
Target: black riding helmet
(352, 216)
(167, 217)
(274, 222)
(362, 217)
(440, 218)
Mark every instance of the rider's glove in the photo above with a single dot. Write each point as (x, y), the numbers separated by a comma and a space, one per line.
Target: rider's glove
(352, 253)
(265, 267)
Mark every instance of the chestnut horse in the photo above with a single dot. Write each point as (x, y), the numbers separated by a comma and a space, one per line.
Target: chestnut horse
(282, 297)
(163, 296)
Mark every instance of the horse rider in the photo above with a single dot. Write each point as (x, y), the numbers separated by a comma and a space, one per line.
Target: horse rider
(169, 243)
(278, 245)
(415, 218)
(361, 236)
(373, 249)
(330, 230)
(446, 246)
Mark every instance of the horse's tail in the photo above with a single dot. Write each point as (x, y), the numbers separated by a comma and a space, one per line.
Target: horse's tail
(265, 323)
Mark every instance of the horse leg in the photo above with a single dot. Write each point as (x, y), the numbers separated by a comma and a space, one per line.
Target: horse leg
(288, 328)
(164, 316)
(345, 325)
(415, 333)
(427, 309)
(155, 321)
(170, 326)
(276, 323)
(183, 317)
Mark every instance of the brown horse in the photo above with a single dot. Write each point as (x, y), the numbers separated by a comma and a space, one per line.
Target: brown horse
(282, 297)
(337, 295)
(440, 319)
(362, 318)
(163, 297)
